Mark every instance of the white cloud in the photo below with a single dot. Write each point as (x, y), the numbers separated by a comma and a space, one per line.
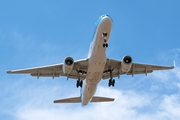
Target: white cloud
(128, 105)
(170, 78)
(170, 106)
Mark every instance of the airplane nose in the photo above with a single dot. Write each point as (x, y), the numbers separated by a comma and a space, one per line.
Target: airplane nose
(106, 17)
(107, 20)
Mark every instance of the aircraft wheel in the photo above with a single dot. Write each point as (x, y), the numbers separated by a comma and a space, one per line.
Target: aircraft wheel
(113, 82)
(109, 84)
(81, 83)
(77, 84)
(106, 45)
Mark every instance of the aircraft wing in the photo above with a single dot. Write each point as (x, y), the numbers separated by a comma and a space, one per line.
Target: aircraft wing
(55, 70)
(136, 68)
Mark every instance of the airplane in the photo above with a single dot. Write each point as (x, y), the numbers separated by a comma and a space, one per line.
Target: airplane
(90, 71)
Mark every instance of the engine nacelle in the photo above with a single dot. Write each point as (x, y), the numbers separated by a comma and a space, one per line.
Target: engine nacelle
(68, 65)
(126, 63)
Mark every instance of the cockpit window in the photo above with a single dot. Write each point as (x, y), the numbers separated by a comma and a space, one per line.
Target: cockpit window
(100, 18)
(103, 16)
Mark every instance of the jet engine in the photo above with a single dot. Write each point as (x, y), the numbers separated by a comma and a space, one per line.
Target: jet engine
(126, 63)
(68, 65)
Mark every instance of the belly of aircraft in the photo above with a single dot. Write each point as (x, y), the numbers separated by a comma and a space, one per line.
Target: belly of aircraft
(94, 75)
(96, 65)
(89, 90)
(95, 71)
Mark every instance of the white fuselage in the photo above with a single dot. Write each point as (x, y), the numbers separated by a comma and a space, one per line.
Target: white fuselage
(97, 58)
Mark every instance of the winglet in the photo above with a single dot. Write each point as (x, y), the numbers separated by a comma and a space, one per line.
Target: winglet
(5, 69)
(174, 63)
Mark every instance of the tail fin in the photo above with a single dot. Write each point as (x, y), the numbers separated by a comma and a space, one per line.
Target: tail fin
(78, 100)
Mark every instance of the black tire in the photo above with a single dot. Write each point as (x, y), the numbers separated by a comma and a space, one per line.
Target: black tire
(109, 84)
(77, 84)
(113, 82)
(81, 83)
(106, 45)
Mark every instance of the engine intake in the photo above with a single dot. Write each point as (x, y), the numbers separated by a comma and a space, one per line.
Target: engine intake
(126, 64)
(68, 65)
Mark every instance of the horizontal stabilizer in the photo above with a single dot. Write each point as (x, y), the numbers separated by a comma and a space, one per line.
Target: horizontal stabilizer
(78, 100)
(101, 99)
(69, 100)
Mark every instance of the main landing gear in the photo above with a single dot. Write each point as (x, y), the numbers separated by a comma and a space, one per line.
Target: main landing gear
(79, 83)
(111, 80)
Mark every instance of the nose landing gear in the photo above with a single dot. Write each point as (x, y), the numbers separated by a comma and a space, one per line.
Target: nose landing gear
(105, 45)
(104, 35)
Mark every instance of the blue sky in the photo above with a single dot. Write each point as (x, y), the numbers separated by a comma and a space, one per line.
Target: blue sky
(35, 33)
